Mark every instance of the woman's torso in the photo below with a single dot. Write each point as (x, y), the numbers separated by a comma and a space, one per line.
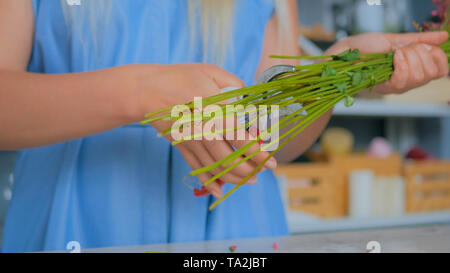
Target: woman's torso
(124, 187)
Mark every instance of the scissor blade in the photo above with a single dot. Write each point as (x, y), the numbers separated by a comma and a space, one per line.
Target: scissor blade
(273, 72)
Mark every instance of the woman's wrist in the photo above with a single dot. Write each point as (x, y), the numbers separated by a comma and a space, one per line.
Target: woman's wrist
(138, 90)
(127, 93)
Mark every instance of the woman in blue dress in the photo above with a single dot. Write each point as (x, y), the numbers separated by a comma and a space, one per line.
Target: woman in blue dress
(77, 76)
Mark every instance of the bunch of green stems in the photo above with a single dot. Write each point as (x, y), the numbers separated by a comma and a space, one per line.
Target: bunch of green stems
(317, 87)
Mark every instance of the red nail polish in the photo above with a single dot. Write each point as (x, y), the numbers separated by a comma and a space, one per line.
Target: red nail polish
(201, 192)
(260, 142)
(204, 192)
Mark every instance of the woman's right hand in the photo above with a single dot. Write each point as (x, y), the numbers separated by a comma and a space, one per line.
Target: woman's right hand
(159, 86)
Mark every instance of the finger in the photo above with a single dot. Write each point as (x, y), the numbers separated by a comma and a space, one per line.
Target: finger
(441, 59)
(432, 38)
(259, 157)
(220, 149)
(214, 188)
(204, 86)
(242, 138)
(416, 73)
(399, 78)
(430, 68)
(208, 152)
(237, 174)
(262, 156)
(221, 77)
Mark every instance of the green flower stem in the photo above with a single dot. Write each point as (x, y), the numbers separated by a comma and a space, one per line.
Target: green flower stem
(300, 57)
(239, 152)
(256, 170)
(285, 122)
(365, 85)
(318, 87)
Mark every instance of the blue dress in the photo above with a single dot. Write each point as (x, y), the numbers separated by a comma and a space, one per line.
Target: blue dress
(124, 186)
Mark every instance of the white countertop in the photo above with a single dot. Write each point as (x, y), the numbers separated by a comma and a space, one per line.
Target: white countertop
(434, 238)
(303, 223)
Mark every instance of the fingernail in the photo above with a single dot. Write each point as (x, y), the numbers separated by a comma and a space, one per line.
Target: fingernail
(400, 54)
(216, 193)
(253, 180)
(428, 47)
(400, 45)
(271, 163)
(253, 132)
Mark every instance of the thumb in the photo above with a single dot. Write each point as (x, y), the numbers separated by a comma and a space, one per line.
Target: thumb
(222, 77)
(432, 38)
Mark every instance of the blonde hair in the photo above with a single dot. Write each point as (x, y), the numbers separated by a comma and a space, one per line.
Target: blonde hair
(215, 17)
(215, 27)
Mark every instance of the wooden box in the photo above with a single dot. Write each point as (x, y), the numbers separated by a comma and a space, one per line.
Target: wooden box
(427, 186)
(381, 167)
(322, 188)
(314, 188)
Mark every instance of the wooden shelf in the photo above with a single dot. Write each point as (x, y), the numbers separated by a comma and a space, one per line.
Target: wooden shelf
(300, 223)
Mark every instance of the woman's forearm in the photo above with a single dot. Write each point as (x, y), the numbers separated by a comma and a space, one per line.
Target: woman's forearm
(289, 46)
(302, 141)
(39, 109)
(305, 139)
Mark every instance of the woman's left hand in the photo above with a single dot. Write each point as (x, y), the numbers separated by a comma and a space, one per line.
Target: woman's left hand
(417, 60)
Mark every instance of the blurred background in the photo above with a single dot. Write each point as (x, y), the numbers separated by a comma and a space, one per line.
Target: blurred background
(383, 162)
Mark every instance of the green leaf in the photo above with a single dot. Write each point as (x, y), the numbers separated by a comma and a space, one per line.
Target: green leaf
(348, 55)
(357, 78)
(364, 76)
(341, 55)
(349, 101)
(373, 82)
(328, 72)
(341, 86)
